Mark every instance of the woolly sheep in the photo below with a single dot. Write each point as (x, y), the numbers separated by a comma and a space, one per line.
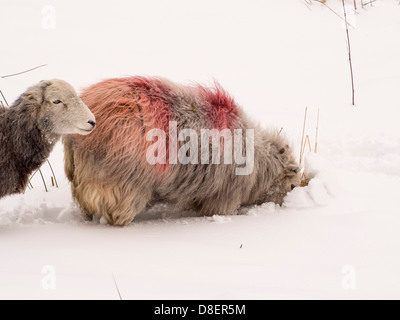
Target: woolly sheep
(111, 176)
(30, 128)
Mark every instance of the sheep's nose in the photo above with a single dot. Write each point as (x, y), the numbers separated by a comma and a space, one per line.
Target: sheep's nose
(92, 123)
(293, 186)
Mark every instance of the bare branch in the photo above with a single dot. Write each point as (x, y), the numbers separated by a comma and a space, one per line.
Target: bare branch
(349, 50)
(116, 286)
(18, 73)
(302, 136)
(44, 182)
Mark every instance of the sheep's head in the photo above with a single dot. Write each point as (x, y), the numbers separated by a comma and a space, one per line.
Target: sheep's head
(60, 110)
(288, 178)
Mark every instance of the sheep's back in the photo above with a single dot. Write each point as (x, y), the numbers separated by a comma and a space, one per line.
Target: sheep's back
(126, 109)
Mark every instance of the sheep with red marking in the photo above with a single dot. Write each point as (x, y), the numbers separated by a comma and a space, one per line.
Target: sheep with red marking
(158, 141)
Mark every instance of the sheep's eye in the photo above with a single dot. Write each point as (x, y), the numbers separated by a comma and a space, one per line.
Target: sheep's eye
(57, 101)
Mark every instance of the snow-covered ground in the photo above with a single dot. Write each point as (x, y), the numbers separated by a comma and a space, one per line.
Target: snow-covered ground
(339, 237)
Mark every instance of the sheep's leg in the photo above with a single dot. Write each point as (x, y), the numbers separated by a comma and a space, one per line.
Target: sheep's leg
(120, 206)
(88, 196)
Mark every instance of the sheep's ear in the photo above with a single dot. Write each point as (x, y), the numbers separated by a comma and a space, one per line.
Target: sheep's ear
(43, 85)
(36, 93)
(293, 169)
(33, 94)
(29, 96)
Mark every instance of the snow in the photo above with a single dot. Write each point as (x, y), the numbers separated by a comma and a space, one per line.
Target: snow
(276, 58)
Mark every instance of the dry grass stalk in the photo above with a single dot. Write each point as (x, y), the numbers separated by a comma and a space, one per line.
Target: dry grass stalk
(316, 133)
(53, 174)
(303, 180)
(116, 286)
(305, 140)
(302, 136)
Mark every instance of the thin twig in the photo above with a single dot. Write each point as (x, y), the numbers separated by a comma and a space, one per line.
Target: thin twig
(116, 286)
(348, 43)
(51, 168)
(4, 98)
(302, 136)
(18, 73)
(307, 139)
(44, 182)
(30, 179)
(316, 133)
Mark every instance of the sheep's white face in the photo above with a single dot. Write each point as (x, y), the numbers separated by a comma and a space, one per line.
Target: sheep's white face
(62, 111)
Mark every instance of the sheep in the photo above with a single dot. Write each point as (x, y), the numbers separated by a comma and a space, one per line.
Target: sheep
(110, 172)
(33, 124)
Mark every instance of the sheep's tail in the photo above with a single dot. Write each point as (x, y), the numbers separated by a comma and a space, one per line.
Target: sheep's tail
(69, 165)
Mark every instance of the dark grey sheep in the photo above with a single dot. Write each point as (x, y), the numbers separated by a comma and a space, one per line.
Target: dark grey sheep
(30, 128)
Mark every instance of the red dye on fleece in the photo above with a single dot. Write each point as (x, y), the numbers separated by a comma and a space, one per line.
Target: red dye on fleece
(125, 110)
(222, 112)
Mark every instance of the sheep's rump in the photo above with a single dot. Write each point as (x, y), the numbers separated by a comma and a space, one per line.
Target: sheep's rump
(108, 170)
